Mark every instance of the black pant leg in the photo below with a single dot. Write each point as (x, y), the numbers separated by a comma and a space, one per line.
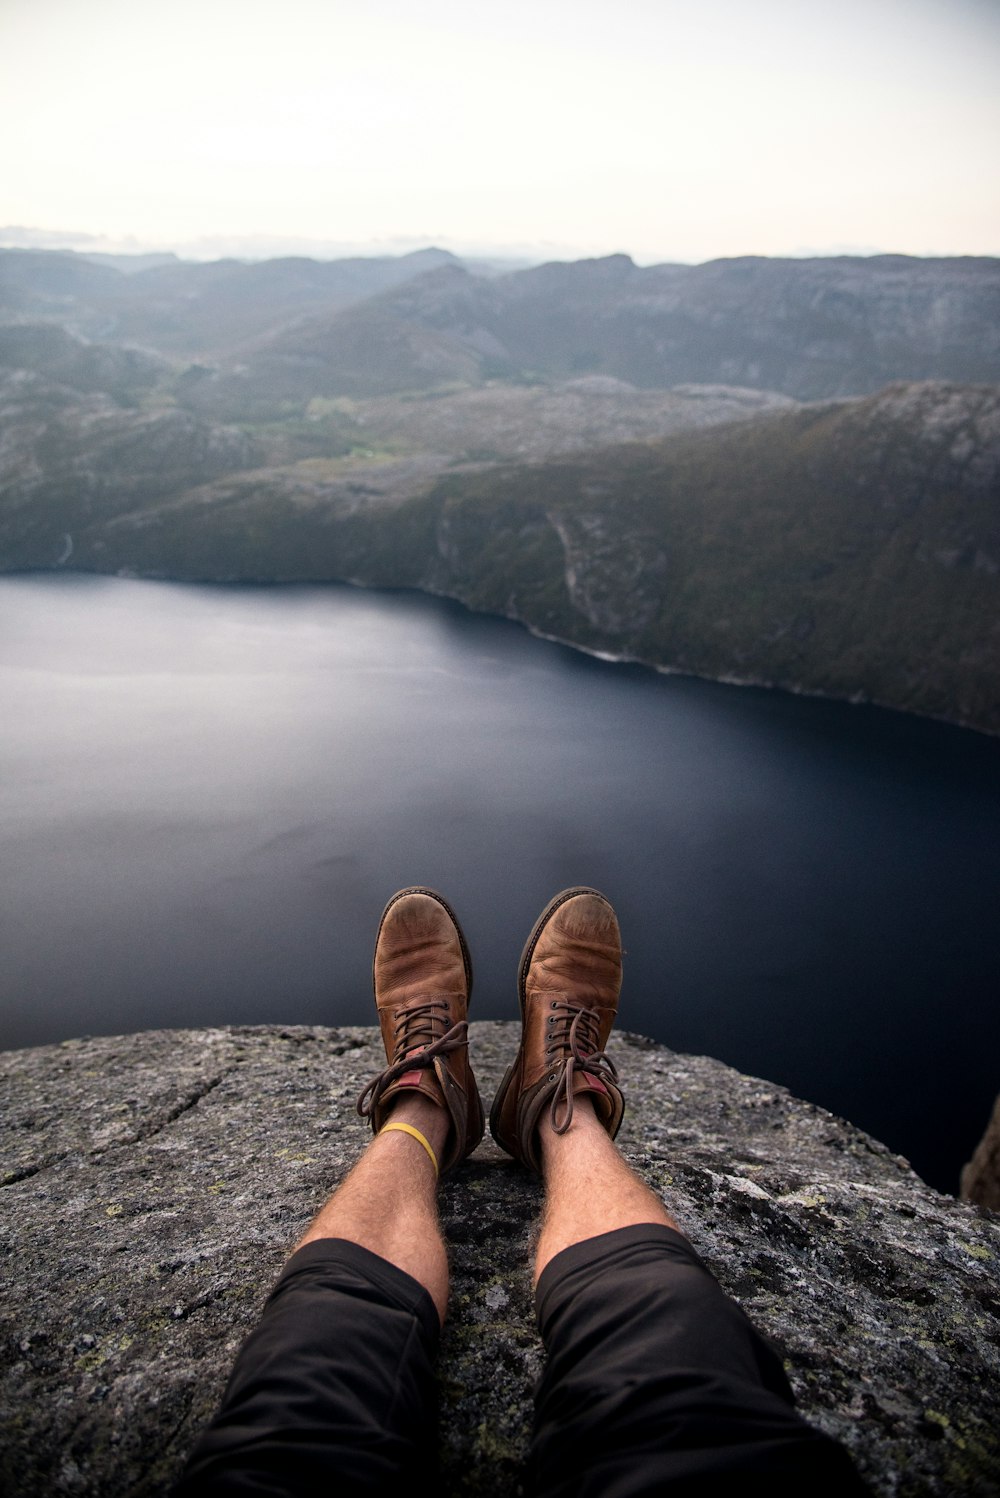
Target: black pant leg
(656, 1382)
(334, 1390)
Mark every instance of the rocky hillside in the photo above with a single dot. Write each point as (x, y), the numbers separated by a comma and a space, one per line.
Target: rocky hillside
(808, 328)
(293, 329)
(849, 548)
(178, 1168)
(70, 462)
(72, 458)
(190, 309)
(49, 350)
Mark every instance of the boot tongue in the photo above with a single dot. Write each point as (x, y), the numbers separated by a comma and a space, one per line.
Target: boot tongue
(413, 1078)
(585, 1080)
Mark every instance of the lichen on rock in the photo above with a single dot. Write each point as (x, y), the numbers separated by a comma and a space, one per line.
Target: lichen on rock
(153, 1185)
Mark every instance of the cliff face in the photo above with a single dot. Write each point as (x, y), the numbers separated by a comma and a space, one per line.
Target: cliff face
(851, 549)
(153, 1184)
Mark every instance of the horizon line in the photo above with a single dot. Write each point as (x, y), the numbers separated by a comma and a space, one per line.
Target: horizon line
(257, 248)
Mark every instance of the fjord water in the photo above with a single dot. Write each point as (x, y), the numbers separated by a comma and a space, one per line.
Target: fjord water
(207, 794)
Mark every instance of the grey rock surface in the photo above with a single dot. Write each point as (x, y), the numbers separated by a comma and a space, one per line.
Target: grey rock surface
(981, 1176)
(153, 1184)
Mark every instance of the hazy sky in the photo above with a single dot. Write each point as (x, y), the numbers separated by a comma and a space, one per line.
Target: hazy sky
(671, 131)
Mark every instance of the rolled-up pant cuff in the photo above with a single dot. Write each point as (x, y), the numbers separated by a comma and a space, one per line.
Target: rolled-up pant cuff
(656, 1382)
(335, 1385)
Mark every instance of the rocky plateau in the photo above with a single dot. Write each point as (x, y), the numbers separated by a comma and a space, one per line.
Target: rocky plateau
(151, 1186)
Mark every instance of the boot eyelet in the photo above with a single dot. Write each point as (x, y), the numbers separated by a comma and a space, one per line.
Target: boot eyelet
(552, 1077)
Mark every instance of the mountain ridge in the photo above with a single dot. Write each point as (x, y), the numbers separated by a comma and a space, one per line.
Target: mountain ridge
(809, 328)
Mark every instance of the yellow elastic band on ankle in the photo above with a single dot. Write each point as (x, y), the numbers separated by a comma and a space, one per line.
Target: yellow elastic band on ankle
(409, 1129)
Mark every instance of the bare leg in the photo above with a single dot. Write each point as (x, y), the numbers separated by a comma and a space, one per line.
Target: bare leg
(335, 1383)
(588, 1187)
(654, 1379)
(388, 1203)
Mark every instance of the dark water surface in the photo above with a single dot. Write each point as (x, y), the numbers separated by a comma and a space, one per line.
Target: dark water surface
(208, 794)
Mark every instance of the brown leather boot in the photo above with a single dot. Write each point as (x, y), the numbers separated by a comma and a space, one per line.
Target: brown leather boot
(568, 985)
(423, 977)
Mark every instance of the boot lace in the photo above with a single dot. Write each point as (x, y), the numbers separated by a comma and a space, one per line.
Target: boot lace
(573, 1045)
(418, 1040)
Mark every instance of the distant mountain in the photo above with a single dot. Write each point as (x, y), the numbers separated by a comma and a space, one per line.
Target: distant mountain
(811, 329)
(386, 344)
(189, 309)
(71, 462)
(131, 263)
(47, 349)
(52, 284)
(284, 331)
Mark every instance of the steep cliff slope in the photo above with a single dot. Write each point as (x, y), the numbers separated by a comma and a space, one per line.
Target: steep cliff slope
(851, 549)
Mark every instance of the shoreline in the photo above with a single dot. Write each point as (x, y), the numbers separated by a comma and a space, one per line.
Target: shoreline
(661, 668)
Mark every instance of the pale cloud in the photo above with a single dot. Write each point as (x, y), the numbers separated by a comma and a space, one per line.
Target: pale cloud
(669, 130)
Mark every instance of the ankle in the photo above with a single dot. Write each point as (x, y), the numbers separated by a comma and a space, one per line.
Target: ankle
(429, 1118)
(585, 1124)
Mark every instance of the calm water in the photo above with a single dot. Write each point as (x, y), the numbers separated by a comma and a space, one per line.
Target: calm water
(207, 795)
